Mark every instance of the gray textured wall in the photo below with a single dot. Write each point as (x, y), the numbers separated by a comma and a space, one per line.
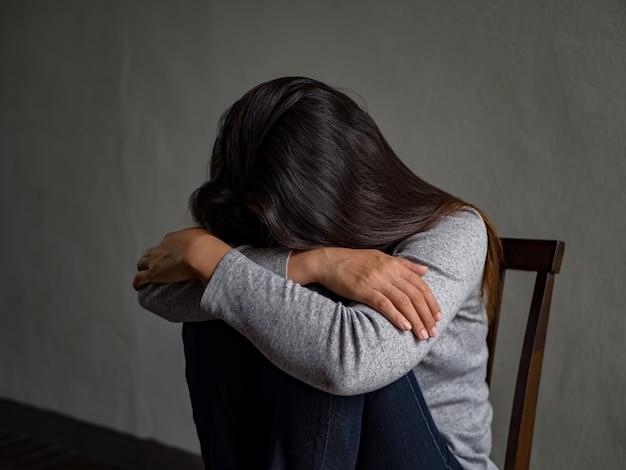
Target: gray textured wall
(107, 113)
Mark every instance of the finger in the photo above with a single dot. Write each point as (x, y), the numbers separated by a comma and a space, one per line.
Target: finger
(143, 263)
(411, 304)
(417, 268)
(429, 297)
(386, 308)
(141, 279)
(423, 287)
(405, 297)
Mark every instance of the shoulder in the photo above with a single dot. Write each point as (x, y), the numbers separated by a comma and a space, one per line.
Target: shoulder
(457, 244)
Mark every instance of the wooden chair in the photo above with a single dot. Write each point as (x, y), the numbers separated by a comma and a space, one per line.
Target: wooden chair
(543, 257)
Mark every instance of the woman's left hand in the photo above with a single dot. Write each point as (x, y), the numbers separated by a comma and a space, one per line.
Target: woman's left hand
(192, 253)
(389, 284)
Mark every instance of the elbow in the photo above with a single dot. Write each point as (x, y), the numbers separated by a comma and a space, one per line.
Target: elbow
(344, 383)
(346, 386)
(149, 300)
(342, 388)
(145, 297)
(363, 374)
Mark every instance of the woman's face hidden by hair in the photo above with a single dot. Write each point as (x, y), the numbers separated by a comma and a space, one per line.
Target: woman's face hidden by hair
(313, 166)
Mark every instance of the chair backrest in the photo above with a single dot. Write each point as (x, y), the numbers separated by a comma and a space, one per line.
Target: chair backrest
(544, 257)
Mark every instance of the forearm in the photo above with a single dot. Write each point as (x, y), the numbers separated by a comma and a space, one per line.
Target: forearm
(392, 285)
(180, 301)
(176, 302)
(348, 349)
(341, 349)
(338, 348)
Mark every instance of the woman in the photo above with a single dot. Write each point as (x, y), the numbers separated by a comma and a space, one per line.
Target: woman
(305, 186)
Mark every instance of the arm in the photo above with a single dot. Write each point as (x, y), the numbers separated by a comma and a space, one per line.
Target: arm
(180, 301)
(338, 348)
(389, 284)
(174, 273)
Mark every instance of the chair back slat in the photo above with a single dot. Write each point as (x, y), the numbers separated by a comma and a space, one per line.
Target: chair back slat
(543, 257)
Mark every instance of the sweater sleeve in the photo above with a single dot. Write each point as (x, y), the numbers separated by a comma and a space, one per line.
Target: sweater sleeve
(346, 349)
(180, 301)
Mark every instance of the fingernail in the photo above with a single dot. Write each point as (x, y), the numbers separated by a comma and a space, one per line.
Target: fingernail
(438, 316)
(406, 326)
(433, 331)
(424, 334)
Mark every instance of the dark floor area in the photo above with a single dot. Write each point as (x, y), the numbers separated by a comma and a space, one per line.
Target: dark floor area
(34, 439)
(20, 451)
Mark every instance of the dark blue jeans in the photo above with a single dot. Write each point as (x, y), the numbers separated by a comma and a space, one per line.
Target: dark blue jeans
(251, 415)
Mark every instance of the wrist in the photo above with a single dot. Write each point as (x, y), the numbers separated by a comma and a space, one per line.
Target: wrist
(203, 256)
(304, 266)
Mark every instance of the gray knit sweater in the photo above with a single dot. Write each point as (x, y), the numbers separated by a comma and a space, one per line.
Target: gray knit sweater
(351, 349)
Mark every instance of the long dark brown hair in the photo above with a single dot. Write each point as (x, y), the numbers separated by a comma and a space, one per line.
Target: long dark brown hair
(300, 165)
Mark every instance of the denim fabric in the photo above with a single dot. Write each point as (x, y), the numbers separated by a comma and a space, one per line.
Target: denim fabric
(251, 415)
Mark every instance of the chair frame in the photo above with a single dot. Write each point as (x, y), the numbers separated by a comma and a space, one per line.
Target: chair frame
(543, 257)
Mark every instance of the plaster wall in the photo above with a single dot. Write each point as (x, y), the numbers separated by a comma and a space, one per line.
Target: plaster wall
(107, 114)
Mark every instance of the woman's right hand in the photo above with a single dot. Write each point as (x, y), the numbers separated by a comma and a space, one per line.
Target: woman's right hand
(192, 253)
(391, 285)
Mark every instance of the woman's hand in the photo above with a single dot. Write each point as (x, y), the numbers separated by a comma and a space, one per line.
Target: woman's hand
(391, 285)
(192, 253)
